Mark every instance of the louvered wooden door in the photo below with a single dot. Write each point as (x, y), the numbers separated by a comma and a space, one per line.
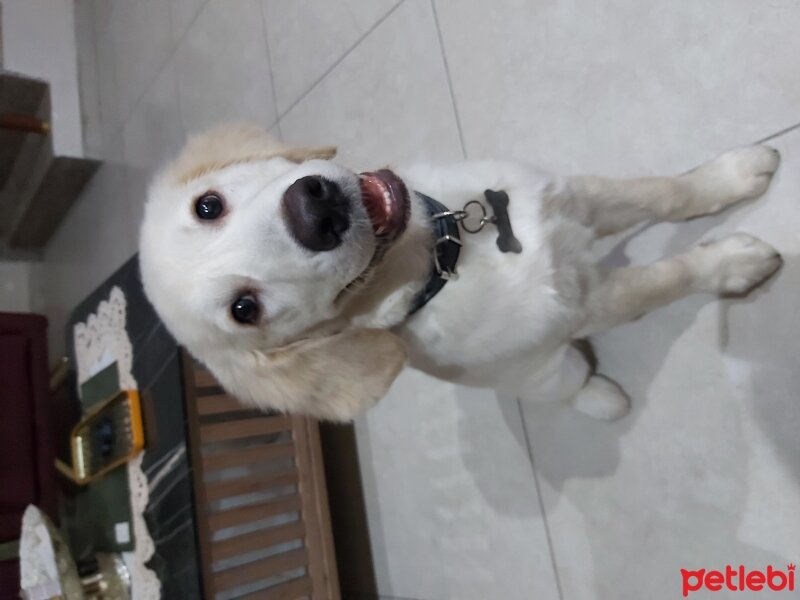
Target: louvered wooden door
(261, 504)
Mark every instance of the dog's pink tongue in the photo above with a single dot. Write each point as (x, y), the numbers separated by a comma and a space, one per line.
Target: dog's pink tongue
(377, 202)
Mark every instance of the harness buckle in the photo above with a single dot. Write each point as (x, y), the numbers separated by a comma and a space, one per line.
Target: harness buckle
(446, 274)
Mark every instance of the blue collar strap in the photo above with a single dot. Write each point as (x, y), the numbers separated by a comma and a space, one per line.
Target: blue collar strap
(447, 247)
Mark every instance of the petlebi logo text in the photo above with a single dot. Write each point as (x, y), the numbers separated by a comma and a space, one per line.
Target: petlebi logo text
(738, 579)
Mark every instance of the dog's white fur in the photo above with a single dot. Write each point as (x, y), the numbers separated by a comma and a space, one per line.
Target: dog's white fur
(508, 321)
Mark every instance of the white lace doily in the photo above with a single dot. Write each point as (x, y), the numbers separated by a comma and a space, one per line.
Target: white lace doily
(99, 342)
(46, 566)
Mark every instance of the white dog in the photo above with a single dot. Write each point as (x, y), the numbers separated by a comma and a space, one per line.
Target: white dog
(304, 286)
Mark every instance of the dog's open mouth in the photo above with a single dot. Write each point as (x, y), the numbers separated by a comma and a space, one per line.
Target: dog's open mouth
(386, 199)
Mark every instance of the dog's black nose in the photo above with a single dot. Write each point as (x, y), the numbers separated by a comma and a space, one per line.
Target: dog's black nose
(317, 212)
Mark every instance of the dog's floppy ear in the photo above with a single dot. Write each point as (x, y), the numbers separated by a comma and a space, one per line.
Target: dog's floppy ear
(333, 378)
(233, 144)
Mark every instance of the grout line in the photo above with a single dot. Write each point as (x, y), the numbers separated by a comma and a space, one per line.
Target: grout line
(541, 502)
(352, 14)
(391, 11)
(176, 78)
(277, 122)
(379, 596)
(179, 101)
(106, 137)
(98, 96)
(779, 133)
(449, 79)
(124, 121)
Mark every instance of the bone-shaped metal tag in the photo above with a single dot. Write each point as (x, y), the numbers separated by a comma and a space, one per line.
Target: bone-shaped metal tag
(505, 240)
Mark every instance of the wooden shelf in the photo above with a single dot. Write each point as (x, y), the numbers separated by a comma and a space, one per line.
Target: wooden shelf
(37, 188)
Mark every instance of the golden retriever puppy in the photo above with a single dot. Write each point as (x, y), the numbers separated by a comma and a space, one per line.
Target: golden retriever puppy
(305, 287)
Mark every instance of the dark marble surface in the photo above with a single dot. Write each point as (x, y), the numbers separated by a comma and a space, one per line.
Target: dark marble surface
(157, 370)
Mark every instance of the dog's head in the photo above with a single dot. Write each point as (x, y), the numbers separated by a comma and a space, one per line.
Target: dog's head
(250, 250)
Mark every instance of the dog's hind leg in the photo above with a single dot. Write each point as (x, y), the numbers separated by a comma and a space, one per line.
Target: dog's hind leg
(569, 378)
(602, 398)
(572, 380)
(732, 265)
(612, 205)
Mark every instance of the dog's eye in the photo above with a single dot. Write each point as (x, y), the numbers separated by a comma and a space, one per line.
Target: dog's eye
(245, 310)
(209, 206)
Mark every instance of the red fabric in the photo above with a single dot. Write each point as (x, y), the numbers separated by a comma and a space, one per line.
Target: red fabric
(18, 470)
(27, 474)
(9, 580)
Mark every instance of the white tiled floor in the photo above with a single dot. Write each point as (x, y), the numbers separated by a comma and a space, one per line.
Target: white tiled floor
(706, 470)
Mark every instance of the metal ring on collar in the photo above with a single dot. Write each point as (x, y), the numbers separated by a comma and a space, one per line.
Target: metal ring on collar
(483, 219)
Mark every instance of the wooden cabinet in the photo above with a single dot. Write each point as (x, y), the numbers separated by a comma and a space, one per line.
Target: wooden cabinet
(260, 497)
(27, 475)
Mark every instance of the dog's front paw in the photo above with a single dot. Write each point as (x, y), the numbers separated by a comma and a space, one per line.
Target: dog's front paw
(735, 264)
(601, 398)
(734, 176)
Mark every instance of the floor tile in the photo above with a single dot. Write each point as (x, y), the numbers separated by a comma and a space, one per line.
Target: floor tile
(589, 86)
(706, 470)
(306, 38)
(182, 15)
(223, 69)
(110, 116)
(142, 38)
(452, 504)
(368, 12)
(388, 100)
(152, 135)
